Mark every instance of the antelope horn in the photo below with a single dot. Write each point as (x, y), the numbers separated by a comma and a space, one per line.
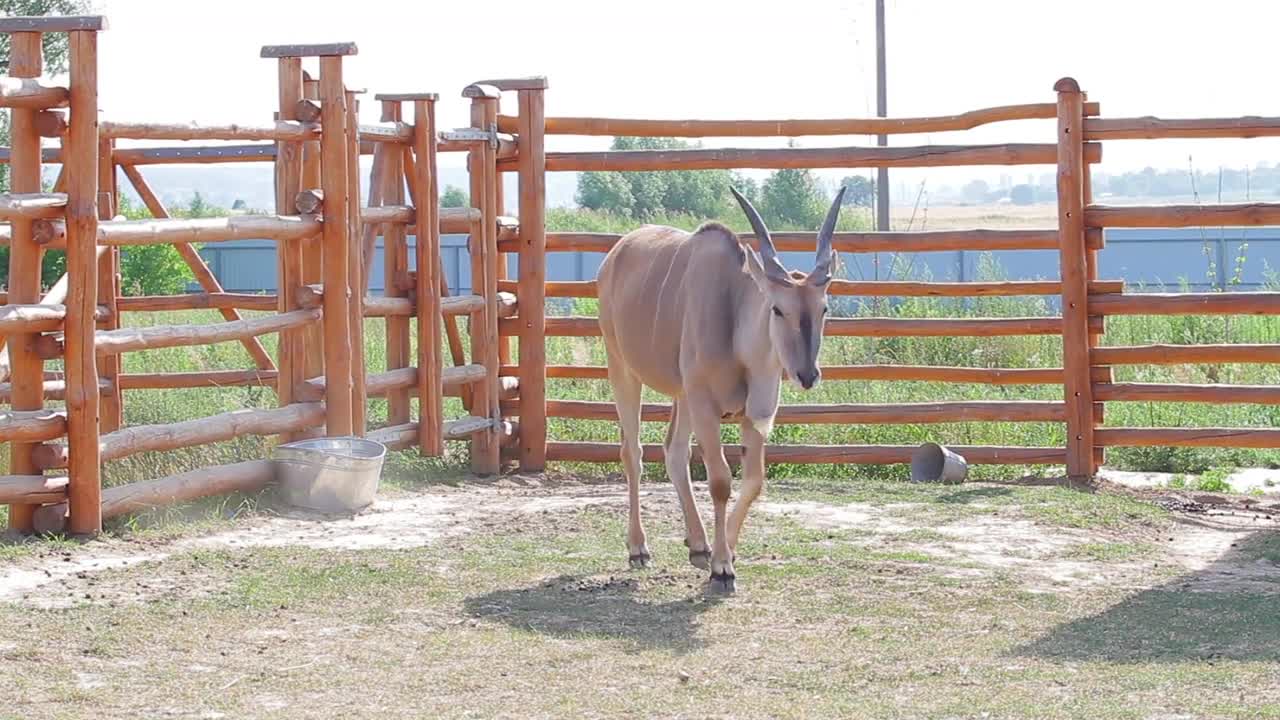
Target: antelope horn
(773, 267)
(822, 266)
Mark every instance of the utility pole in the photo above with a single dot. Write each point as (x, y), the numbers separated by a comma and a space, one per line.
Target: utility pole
(882, 110)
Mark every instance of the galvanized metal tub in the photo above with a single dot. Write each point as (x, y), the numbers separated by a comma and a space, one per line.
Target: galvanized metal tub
(332, 475)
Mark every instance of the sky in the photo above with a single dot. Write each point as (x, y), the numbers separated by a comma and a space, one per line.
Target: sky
(180, 61)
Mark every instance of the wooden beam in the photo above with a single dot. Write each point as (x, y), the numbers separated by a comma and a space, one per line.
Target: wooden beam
(789, 127)
(335, 181)
(1074, 325)
(785, 158)
(1187, 354)
(1178, 216)
(420, 171)
(817, 454)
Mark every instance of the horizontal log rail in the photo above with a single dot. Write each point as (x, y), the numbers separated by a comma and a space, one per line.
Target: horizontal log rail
(1222, 303)
(1178, 216)
(1188, 437)
(399, 437)
(32, 206)
(853, 414)
(190, 433)
(244, 477)
(111, 342)
(171, 231)
(31, 94)
(871, 288)
(197, 301)
(31, 318)
(382, 306)
(32, 426)
(809, 158)
(1153, 128)
(910, 373)
(399, 214)
(851, 242)
(396, 437)
(32, 489)
(395, 132)
(597, 452)
(211, 155)
(792, 127)
(197, 379)
(53, 390)
(579, 326)
(1178, 392)
(401, 379)
(1261, 354)
(461, 304)
(282, 130)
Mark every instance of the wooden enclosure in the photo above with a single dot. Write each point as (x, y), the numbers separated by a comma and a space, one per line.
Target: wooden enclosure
(325, 239)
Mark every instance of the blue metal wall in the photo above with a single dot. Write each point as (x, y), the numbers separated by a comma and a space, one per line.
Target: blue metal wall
(1145, 259)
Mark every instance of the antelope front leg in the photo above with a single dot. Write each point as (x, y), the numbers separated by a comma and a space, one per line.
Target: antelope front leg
(706, 428)
(752, 479)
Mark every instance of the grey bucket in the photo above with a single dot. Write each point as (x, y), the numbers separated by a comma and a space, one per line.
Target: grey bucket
(933, 463)
(331, 475)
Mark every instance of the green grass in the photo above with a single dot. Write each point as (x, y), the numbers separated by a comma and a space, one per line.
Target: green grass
(540, 618)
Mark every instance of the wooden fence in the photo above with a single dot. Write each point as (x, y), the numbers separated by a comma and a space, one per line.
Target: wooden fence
(325, 241)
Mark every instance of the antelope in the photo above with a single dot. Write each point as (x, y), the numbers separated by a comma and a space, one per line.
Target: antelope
(715, 325)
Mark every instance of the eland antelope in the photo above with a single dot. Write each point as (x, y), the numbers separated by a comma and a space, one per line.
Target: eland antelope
(715, 325)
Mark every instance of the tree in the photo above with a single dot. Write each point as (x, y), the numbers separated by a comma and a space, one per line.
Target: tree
(154, 269)
(859, 191)
(608, 191)
(1022, 194)
(792, 198)
(454, 197)
(975, 191)
(699, 193)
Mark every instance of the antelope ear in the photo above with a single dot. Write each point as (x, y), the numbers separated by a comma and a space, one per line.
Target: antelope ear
(753, 266)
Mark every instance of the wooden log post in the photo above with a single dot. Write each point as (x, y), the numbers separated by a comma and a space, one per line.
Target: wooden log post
(483, 244)
(491, 125)
(1091, 264)
(25, 259)
(531, 290)
(355, 270)
(335, 181)
(312, 247)
(395, 266)
(428, 276)
(1075, 280)
(84, 493)
(291, 351)
(112, 408)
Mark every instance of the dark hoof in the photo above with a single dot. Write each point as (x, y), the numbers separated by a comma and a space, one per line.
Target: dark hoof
(721, 583)
(700, 559)
(640, 560)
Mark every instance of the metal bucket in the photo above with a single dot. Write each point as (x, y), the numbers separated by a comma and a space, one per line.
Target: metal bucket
(933, 463)
(332, 475)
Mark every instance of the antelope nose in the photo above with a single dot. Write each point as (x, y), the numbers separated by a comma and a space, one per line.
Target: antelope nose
(808, 378)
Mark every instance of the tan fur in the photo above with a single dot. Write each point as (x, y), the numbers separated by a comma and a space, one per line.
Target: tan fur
(703, 319)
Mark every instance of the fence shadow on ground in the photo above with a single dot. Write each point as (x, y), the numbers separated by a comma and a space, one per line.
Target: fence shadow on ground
(1225, 611)
(589, 607)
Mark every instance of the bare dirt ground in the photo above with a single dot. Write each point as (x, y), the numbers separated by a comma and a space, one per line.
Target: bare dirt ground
(513, 599)
(984, 543)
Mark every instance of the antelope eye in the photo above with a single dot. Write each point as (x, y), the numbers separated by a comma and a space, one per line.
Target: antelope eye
(776, 311)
